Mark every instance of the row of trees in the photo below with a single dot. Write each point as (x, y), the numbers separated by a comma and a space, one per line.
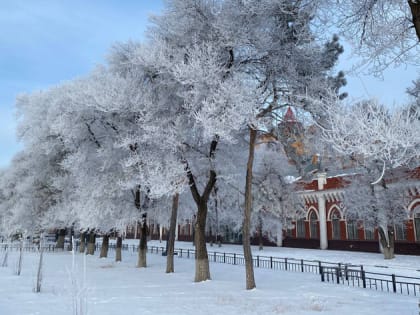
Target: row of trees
(169, 127)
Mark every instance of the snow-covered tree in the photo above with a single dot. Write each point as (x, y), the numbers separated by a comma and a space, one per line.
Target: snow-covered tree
(383, 32)
(276, 202)
(35, 172)
(276, 50)
(190, 103)
(371, 132)
(95, 126)
(381, 206)
(414, 92)
(378, 140)
(227, 76)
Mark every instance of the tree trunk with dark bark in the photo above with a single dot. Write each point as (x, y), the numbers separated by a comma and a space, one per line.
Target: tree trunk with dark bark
(171, 235)
(71, 235)
(249, 266)
(61, 238)
(104, 246)
(118, 249)
(260, 235)
(202, 269)
(82, 242)
(91, 244)
(141, 263)
(415, 12)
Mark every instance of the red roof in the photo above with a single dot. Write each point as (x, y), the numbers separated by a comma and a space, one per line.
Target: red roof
(289, 116)
(341, 181)
(332, 183)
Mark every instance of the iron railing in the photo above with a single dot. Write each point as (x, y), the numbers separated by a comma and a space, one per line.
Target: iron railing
(339, 273)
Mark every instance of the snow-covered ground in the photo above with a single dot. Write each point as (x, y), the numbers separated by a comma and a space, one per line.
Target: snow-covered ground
(120, 288)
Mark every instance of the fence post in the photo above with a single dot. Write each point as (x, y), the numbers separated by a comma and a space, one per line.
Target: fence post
(234, 258)
(346, 272)
(224, 258)
(394, 284)
(320, 266)
(188, 253)
(180, 252)
(214, 255)
(321, 271)
(363, 278)
(337, 274)
(271, 262)
(285, 263)
(301, 265)
(258, 261)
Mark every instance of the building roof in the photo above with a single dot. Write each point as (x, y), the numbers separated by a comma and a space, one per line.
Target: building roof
(289, 116)
(343, 180)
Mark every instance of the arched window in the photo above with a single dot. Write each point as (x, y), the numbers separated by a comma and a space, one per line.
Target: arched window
(352, 231)
(416, 215)
(401, 231)
(369, 233)
(335, 223)
(300, 228)
(313, 223)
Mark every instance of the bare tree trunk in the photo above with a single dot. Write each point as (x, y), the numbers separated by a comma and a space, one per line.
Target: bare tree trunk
(141, 260)
(202, 269)
(388, 243)
(91, 244)
(143, 244)
(193, 224)
(171, 238)
(6, 256)
(60, 239)
(216, 208)
(118, 249)
(211, 236)
(104, 246)
(71, 233)
(260, 235)
(82, 242)
(40, 265)
(415, 12)
(279, 241)
(19, 263)
(249, 267)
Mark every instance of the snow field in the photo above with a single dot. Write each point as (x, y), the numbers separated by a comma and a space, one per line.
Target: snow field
(120, 288)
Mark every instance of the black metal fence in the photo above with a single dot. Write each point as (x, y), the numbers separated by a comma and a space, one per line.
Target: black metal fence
(372, 280)
(338, 273)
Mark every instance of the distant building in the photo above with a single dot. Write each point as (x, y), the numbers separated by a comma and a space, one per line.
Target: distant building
(324, 224)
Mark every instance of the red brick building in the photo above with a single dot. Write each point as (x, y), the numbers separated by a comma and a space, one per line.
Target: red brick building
(325, 225)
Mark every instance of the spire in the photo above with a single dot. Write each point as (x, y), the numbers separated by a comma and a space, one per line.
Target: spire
(289, 116)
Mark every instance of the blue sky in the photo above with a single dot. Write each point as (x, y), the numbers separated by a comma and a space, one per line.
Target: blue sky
(45, 42)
